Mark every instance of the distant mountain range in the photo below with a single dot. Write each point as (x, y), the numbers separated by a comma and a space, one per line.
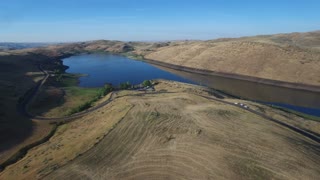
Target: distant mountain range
(14, 46)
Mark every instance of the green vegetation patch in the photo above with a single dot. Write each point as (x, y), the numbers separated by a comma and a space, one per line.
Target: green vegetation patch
(146, 83)
(132, 55)
(126, 85)
(68, 80)
(87, 96)
(81, 92)
(73, 98)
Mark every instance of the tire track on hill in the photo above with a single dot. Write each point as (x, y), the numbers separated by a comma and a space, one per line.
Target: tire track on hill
(283, 124)
(170, 146)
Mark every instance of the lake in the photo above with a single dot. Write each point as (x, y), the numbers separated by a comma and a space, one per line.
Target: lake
(115, 69)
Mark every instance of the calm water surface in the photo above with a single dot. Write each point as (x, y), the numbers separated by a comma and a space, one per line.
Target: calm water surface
(106, 68)
(299, 100)
(115, 69)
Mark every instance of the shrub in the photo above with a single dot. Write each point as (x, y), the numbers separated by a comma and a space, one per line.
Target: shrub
(105, 90)
(126, 85)
(146, 83)
(82, 107)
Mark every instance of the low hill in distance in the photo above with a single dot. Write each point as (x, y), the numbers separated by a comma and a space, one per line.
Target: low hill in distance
(303, 40)
(5, 46)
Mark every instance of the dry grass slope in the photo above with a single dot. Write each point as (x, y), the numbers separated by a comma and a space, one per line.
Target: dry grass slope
(69, 141)
(172, 134)
(178, 135)
(264, 60)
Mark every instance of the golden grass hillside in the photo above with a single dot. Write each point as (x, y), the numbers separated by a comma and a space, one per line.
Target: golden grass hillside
(173, 133)
(263, 60)
(69, 142)
(304, 40)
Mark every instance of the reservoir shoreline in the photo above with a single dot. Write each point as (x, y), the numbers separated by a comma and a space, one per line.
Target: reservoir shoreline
(290, 85)
(285, 84)
(242, 87)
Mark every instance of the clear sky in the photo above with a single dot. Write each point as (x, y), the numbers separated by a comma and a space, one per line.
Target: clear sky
(150, 20)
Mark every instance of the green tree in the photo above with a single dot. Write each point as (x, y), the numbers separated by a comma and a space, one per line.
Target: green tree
(106, 89)
(81, 107)
(146, 83)
(125, 85)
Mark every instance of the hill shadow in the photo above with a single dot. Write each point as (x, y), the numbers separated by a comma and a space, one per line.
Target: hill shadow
(16, 80)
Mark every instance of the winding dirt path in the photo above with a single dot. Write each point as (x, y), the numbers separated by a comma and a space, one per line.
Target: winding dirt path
(22, 106)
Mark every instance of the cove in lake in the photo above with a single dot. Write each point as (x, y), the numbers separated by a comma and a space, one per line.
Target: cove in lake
(115, 69)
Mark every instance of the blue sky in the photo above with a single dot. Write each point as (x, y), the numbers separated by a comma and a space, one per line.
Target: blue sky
(152, 20)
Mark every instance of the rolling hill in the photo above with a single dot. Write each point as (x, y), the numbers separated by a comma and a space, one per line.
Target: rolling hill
(4, 46)
(284, 57)
(177, 132)
(174, 133)
(291, 57)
